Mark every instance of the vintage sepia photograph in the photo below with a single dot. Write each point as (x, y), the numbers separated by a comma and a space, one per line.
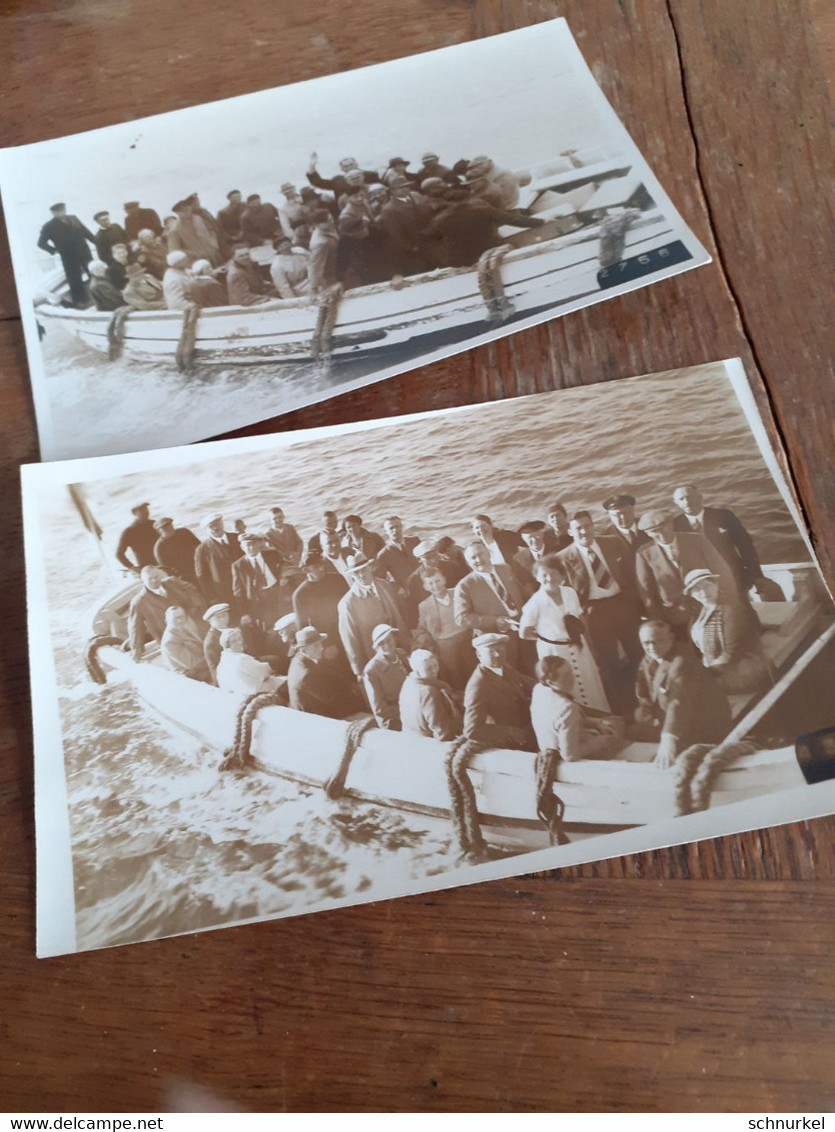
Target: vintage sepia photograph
(285, 673)
(191, 273)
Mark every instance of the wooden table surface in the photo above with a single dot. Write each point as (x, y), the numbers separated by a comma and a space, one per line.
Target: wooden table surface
(694, 978)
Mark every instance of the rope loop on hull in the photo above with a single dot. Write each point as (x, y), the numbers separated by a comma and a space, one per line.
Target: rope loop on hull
(91, 658)
(188, 339)
(239, 755)
(335, 785)
(116, 332)
(463, 805)
(698, 768)
(491, 286)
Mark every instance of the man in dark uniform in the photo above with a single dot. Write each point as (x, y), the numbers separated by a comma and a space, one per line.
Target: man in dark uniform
(107, 235)
(229, 218)
(137, 219)
(621, 511)
(140, 538)
(497, 699)
(67, 237)
(174, 550)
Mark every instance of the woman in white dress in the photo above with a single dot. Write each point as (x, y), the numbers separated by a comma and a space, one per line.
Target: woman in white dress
(546, 619)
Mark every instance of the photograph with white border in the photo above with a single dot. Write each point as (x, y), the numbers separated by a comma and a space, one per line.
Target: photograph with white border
(287, 673)
(194, 272)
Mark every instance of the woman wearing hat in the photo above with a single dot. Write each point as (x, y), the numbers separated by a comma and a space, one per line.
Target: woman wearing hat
(726, 636)
(547, 620)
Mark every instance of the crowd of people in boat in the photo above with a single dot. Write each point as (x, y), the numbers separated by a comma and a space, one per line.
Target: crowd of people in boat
(354, 228)
(548, 636)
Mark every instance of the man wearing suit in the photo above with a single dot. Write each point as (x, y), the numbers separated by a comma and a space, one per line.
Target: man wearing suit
(313, 684)
(723, 531)
(67, 237)
(497, 699)
(600, 572)
(256, 583)
(146, 615)
(489, 599)
(662, 565)
(501, 545)
(213, 560)
(680, 702)
(369, 602)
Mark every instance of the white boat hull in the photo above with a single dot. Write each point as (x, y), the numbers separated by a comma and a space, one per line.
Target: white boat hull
(371, 319)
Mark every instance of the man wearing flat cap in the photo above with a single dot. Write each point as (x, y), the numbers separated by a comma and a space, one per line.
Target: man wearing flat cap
(259, 221)
(213, 560)
(138, 219)
(107, 235)
(431, 167)
(174, 550)
(68, 238)
(369, 602)
(662, 565)
(384, 675)
(497, 698)
(534, 534)
(142, 290)
(140, 538)
(193, 235)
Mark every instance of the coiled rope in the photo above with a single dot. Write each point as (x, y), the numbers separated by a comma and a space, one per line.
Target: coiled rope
(188, 339)
(549, 808)
(335, 785)
(698, 768)
(491, 286)
(116, 332)
(91, 659)
(463, 805)
(239, 755)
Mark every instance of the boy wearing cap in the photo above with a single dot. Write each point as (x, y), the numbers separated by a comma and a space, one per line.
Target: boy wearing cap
(384, 675)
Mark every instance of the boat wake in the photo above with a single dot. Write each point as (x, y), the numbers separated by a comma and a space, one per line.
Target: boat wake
(162, 844)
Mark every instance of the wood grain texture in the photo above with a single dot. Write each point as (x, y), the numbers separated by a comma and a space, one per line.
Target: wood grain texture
(698, 977)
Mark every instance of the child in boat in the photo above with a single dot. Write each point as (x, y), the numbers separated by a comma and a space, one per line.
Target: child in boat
(563, 725)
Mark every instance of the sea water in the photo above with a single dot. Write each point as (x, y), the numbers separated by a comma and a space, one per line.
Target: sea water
(164, 843)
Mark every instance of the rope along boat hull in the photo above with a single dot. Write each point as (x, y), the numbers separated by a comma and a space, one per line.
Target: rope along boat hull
(443, 304)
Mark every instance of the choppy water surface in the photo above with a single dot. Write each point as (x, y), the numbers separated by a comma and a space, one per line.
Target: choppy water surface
(161, 842)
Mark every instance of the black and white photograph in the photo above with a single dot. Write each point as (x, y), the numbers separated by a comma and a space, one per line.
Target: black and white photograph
(284, 673)
(191, 273)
